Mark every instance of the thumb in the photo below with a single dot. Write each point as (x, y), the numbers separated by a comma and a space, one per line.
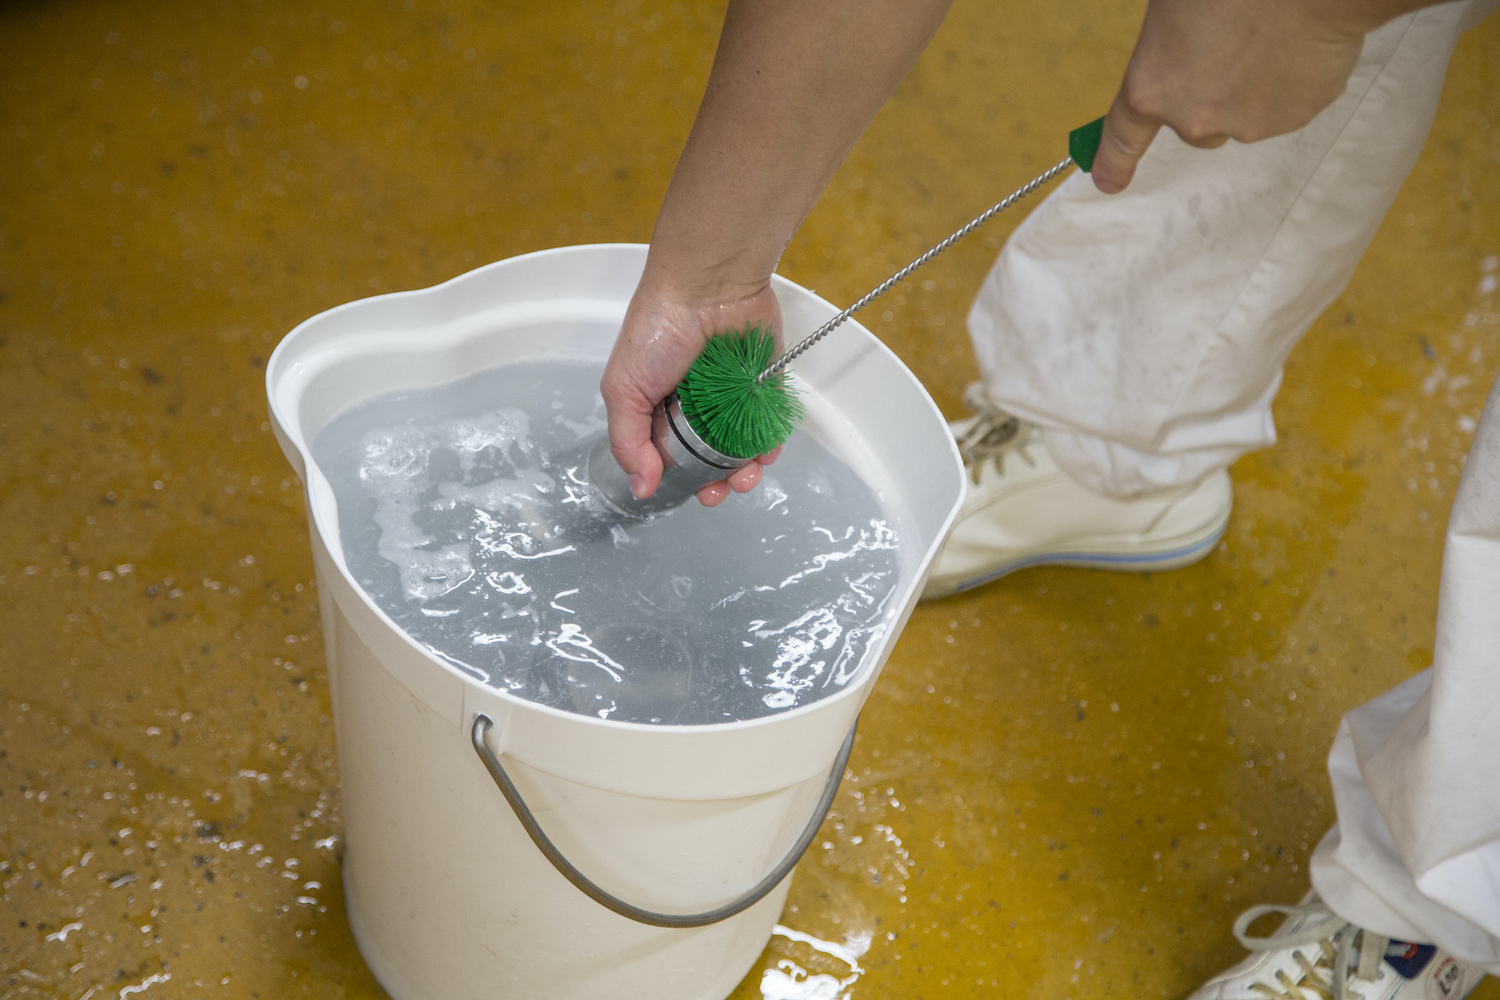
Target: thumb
(1127, 136)
(630, 439)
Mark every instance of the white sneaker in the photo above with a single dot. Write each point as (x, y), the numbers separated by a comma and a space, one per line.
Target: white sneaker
(1316, 955)
(1022, 510)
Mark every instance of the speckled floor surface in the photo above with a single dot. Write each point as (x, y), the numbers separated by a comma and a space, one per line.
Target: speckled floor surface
(1069, 782)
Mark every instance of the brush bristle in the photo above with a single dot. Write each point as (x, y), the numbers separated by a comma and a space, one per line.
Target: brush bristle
(725, 403)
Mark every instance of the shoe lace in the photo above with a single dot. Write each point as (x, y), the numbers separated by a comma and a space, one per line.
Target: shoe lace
(992, 434)
(1338, 946)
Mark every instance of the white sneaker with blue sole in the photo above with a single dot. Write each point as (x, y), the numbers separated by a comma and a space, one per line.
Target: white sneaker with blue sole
(1316, 955)
(1022, 509)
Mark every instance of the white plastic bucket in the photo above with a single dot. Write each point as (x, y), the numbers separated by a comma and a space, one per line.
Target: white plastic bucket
(448, 897)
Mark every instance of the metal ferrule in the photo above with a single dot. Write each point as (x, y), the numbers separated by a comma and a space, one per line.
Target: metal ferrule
(688, 464)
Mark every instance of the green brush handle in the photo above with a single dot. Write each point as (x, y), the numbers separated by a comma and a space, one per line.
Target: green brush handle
(1083, 145)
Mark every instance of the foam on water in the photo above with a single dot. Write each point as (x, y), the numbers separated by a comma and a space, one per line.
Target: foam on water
(466, 515)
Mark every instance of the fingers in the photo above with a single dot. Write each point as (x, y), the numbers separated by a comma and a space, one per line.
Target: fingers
(642, 465)
(1127, 136)
(714, 494)
(742, 480)
(629, 414)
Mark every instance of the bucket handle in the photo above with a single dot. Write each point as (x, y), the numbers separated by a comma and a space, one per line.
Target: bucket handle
(581, 881)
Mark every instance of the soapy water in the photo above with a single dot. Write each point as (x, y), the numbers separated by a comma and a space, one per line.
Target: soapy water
(466, 514)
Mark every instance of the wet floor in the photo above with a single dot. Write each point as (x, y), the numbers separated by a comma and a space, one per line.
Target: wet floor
(1067, 783)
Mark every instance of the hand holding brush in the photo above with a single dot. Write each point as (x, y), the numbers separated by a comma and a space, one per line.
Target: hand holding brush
(736, 402)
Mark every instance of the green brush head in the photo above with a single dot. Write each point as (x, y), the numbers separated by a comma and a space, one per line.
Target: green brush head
(723, 401)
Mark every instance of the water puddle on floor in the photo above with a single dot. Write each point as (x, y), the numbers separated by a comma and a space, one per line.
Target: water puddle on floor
(790, 980)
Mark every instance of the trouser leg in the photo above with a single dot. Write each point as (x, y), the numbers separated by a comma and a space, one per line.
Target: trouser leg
(1146, 331)
(1416, 772)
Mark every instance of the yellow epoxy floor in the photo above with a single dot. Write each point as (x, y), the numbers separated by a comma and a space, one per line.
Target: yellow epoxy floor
(1067, 784)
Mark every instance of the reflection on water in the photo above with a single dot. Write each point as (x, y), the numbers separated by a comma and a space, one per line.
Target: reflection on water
(474, 528)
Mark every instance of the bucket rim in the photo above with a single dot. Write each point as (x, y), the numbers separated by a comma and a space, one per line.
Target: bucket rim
(289, 433)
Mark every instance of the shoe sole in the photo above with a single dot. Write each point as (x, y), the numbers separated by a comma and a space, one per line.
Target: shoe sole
(1174, 555)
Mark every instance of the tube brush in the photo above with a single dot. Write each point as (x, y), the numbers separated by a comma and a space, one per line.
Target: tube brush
(727, 402)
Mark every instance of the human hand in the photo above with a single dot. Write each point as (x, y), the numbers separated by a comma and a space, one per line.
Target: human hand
(663, 333)
(1215, 70)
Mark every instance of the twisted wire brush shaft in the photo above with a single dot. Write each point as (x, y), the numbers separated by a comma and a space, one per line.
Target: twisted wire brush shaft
(979, 220)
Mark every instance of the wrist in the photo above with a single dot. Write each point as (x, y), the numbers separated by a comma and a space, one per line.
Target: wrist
(694, 271)
(724, 224)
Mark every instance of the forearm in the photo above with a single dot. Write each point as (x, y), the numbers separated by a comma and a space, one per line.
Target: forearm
(794, 83)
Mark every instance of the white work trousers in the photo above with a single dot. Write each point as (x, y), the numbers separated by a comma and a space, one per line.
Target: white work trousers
(1146, 333)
